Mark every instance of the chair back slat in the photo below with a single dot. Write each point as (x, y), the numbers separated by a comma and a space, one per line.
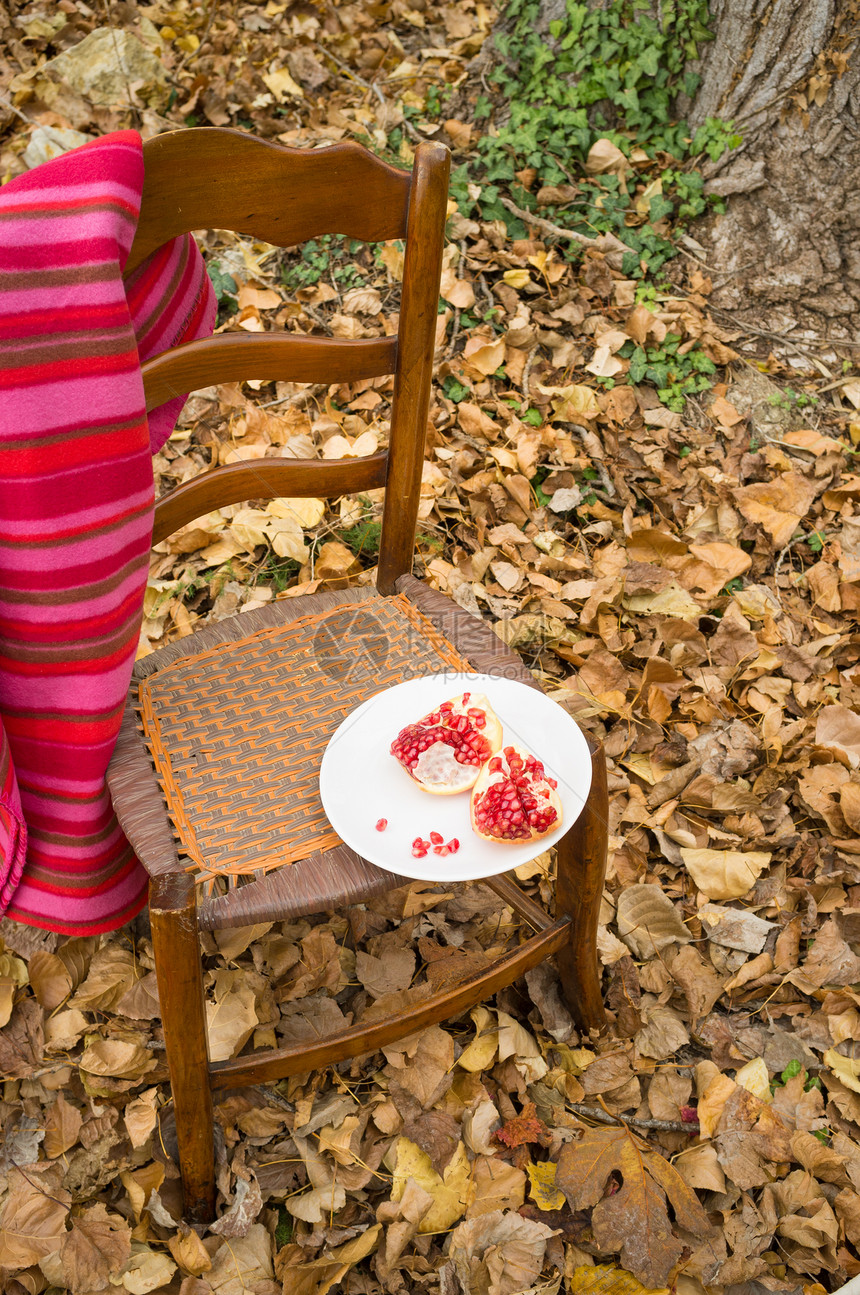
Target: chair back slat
(223, 179)
(265, 479)
(233, 357)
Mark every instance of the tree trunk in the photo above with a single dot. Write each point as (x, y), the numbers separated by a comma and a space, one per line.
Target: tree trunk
(788, 247)
(787, 72)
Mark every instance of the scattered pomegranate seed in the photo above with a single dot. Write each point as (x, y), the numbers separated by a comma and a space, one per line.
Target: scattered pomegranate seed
(453, 845)
(417, 842)
(437, 838)
(418, 852)
(382, 824)
(441, 849)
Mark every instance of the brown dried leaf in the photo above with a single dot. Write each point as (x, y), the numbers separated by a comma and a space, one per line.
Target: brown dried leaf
(33, 1221)
(50, 978)
(633, 1221)
(94, 1250)
(648, 920)
(62, 1127)
(22, 1041)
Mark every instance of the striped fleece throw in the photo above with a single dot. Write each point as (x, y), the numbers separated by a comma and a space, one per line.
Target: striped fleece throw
(76, 506)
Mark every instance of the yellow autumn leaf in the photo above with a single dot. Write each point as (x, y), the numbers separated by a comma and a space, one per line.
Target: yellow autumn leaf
(543, 1190)
(604, 1279)
(573, 403)
(449, 1192)
(307, 512)
(845, 1068)
(755, 1079)
(725, 874)
(282, 84)
(518, 279)
(481, 1052)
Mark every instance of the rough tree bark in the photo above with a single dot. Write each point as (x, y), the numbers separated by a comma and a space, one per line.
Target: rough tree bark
(788, 73)
(787, 251)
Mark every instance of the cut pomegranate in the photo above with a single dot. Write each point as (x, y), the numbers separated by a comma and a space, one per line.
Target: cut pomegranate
(444, 751)
(514, 800)
(381, 824)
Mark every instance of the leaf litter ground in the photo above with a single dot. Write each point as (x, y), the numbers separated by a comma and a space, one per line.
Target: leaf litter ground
(685, 580)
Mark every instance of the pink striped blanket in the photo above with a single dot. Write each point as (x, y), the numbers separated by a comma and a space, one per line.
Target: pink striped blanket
(76, 501)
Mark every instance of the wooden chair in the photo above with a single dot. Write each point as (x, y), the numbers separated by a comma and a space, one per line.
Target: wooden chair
(209, 713)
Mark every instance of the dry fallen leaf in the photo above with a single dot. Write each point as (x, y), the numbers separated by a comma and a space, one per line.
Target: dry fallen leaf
(725, 874)
(634, 1220)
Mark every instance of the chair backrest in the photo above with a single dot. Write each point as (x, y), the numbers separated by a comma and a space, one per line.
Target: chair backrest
(223, 179)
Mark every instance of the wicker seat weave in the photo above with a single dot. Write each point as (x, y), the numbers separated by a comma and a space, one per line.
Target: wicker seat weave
(237, 732)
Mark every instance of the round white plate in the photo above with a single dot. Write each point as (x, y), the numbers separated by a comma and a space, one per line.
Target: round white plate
(361, 782)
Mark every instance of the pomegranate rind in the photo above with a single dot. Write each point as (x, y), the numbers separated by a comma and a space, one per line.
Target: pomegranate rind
(530, 783)
(451, 724)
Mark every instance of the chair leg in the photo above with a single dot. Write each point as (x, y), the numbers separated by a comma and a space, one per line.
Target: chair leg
(579, 887)
(178, 967)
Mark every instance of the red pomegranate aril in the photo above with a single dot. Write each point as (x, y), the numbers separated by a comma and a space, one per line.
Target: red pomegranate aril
(437, 838)
(381, 824)
(513, 798)
(445, 751)
(418, 854)
(440, 849)
(453, 845)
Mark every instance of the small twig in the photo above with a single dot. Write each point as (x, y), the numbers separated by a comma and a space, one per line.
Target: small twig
(549, 228)
(527, 370)
(119, 60)
(662, 1126)
(372, 87)
(455, 330)
(798, 539)
(183, 63)
(17, 111)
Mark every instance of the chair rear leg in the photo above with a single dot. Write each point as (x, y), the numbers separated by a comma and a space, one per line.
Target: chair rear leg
(178, 967)
(579, 887)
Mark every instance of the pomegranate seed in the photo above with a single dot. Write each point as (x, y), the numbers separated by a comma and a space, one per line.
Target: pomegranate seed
(437, 838)
(418, 854)
(453, 845)
(552, 782)
(382, 824)
(466, 696)
(440, 849)
(495, 764)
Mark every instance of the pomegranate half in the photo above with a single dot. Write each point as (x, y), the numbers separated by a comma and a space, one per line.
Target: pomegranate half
(445, 750)
(514, 799)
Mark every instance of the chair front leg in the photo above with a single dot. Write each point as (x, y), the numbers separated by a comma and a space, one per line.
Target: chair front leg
(581, 872)
(179, 970)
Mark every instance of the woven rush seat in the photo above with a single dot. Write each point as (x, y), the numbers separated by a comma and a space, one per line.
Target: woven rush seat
(235, 721)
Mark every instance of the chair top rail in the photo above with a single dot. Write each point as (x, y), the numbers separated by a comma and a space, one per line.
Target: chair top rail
(213, 178)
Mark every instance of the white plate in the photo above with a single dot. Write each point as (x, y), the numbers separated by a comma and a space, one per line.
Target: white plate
(361, 782)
